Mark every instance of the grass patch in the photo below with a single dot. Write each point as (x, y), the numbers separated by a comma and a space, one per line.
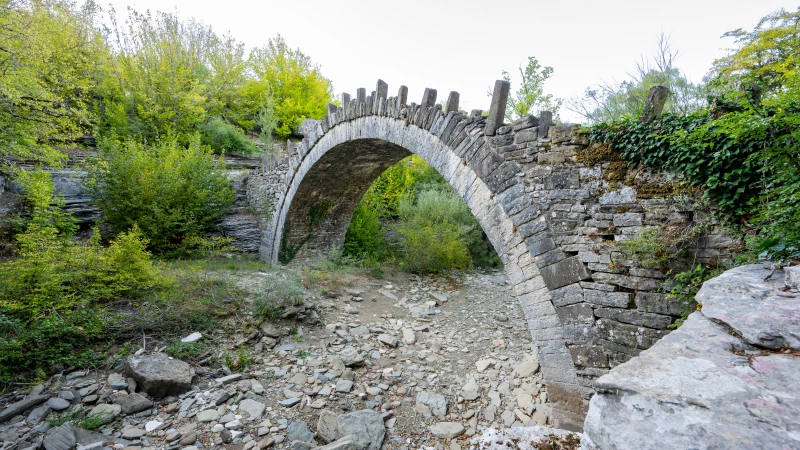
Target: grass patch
(276, 292)
(187, 351)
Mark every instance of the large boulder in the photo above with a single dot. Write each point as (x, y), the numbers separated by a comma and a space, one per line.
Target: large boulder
(366, 428)
(713, 382)
(159, 375)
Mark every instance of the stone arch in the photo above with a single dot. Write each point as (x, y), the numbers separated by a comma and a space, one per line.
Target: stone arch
(493, 188)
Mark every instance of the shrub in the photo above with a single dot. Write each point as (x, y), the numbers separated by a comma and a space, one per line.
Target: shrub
(435, 230)
(365, 237)
(223, 137)
(173, 194)
(278, 292)
(52, 294)
(431, 218)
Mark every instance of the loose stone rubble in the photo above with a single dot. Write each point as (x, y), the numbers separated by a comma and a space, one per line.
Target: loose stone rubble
(408, 371)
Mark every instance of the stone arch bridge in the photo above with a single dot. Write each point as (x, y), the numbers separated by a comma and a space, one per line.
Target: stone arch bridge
(551, 205)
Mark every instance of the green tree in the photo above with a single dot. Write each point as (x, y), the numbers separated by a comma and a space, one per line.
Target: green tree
(174, 75)
(530, 97)
(768, 55)
(51, 54)
(295, 84)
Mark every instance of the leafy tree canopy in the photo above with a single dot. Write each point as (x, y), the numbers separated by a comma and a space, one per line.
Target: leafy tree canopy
(530, 97)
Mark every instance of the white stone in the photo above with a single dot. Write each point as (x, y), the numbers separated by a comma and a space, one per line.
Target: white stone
(194, 337)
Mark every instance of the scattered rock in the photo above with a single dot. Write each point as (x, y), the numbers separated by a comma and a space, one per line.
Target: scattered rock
(58, 404)
(208, 415)
(436, 402)
(365, 426)
(117, 381)
(327, 426)
(194, 337)
(60, 438)
(526, 368)
(447, 430)
(253, 408)
(298, 431)
(409, 337)
(105, 413)
(132, 403)
(389, 340)
(21, 406)
(484, 364)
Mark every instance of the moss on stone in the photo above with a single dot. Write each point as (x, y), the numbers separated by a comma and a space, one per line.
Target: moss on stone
(596, 153)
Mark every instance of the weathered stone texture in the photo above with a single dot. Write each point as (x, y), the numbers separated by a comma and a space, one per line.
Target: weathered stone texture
(706, 385)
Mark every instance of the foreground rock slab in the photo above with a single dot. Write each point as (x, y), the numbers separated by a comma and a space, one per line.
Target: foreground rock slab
(703, 386)
(365, 427)
(159, 375)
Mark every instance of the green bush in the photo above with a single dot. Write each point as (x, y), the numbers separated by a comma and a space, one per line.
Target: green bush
(431, 227)
(436, 229)
(278, 292)
(365, 238)
(173, 194)
(53, 292)
(223, 137)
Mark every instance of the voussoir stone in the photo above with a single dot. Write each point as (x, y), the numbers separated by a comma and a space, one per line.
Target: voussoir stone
(159, 375)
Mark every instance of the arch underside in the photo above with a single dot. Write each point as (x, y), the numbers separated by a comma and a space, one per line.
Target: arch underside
(315, 211)
(324, 203)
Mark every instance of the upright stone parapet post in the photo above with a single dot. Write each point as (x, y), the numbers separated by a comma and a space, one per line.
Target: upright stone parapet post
(345, 99)
(497, 112)
(654, 104)
(402, 95)
(332, 109)
(545, 120)
(452, 102)
(428, 98)
(361, 95)
(381, 90)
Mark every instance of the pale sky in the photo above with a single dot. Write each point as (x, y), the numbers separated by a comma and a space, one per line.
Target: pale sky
(463, 45)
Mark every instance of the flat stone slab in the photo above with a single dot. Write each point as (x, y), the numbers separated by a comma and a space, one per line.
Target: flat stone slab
(757, 310)
(447, 430)
(699, 387)
(366, 428)
(133, 403)
(22, 406)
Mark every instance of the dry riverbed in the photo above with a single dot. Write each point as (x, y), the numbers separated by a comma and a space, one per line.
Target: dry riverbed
(400, 362)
